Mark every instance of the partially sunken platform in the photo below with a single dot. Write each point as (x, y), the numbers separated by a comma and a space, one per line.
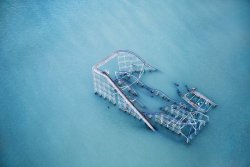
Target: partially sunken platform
(117, 78)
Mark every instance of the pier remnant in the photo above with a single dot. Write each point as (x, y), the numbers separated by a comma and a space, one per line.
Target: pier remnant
(118, 78)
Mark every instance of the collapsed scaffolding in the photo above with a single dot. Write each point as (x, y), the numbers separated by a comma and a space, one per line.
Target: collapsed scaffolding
(120, 89)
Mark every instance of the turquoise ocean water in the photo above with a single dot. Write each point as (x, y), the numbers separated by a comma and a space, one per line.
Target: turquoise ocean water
(50, 117)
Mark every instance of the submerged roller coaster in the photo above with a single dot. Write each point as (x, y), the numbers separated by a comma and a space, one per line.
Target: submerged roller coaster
(118, 79)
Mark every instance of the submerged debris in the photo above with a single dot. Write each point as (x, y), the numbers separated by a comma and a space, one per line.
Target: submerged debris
(185, 117)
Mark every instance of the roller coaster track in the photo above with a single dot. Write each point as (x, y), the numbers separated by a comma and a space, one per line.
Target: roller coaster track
(96, 71)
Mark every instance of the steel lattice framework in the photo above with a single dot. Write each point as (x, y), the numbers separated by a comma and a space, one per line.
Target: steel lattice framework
(107, 88)
(119, 89)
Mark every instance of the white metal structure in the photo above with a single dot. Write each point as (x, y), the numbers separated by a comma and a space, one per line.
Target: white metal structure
(106, 87)
(119, 89)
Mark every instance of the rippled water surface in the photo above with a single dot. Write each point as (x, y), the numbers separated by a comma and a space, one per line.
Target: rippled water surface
(50, 117)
